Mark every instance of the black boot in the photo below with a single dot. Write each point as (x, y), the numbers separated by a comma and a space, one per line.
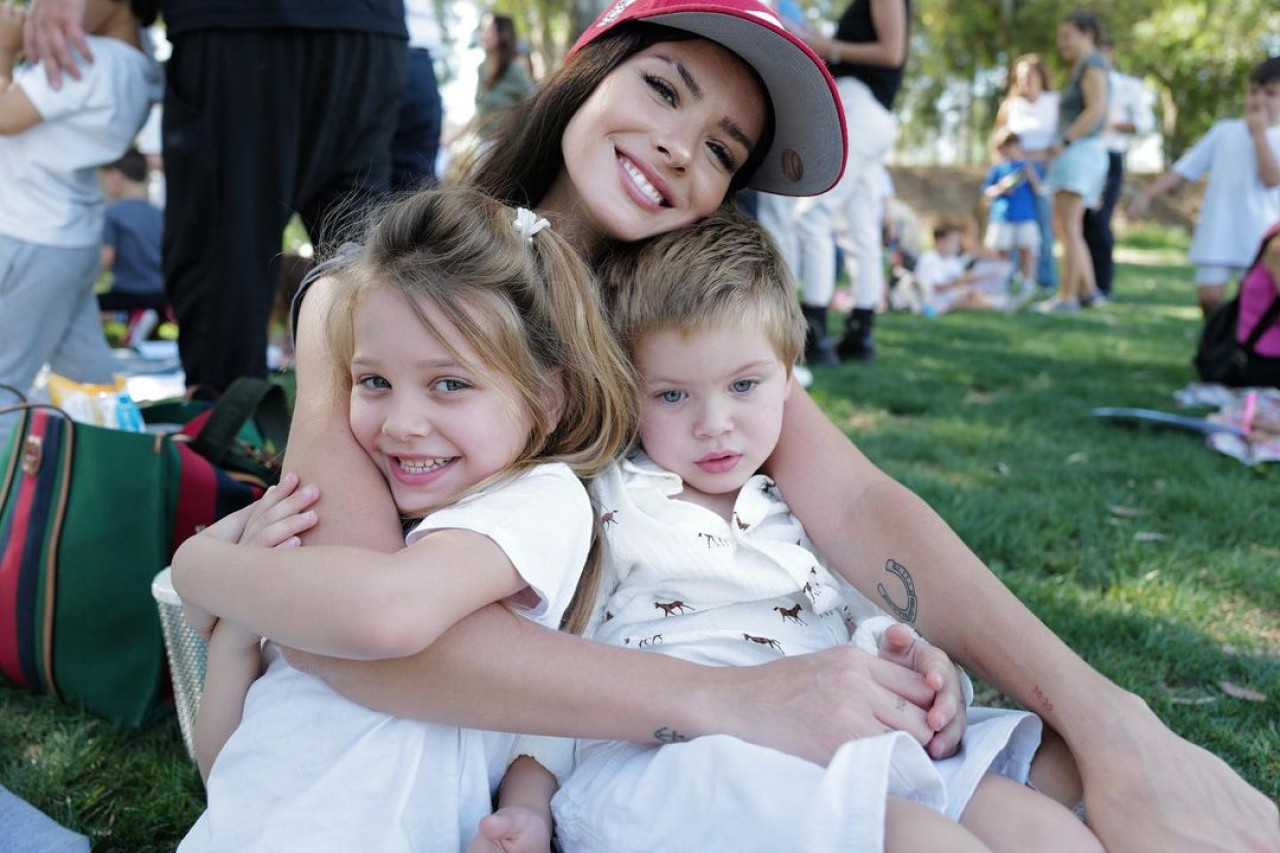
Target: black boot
(819, 351)
(856, 345)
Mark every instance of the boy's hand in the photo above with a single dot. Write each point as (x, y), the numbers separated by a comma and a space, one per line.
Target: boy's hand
(12, 20)
(53, 28)
(276, 519)
(947, 715)
(1138, 207)
(513, 829)
(1255, 116)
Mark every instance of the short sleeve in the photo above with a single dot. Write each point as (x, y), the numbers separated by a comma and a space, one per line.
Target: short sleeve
(74, 95)
(929, 271)
(541, 521)
(1193, 164)
(992, 177)
(553, 753)
(111, 227)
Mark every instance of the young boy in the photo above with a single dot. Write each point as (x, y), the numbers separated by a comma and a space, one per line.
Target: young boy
(704, 561)
(1242, 196)
(1012, 224)
(942, 283)
(131, 235)
(51, 209)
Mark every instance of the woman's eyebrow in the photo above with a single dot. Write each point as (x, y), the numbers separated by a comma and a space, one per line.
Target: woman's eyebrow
(729, 126)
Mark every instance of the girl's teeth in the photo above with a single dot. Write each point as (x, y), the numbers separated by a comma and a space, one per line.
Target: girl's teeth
(642, 182)
(422, 467)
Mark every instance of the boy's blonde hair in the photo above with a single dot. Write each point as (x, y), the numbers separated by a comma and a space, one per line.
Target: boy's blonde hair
(528, 307)
(722, 270)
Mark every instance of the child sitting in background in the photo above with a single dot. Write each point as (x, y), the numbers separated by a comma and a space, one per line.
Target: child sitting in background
(131, 236)
(51, 209)
(941, 282)
(1013, 224)
(1242, 196)
(704, 561)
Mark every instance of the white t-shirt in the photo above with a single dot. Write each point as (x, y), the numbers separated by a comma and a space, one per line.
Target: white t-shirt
(310, 770)
(933, 270)
(1238, 208)
(1035, 122)
(49, 192)
(1128, 101)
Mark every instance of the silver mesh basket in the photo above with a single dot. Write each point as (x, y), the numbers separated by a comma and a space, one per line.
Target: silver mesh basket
(188, 653)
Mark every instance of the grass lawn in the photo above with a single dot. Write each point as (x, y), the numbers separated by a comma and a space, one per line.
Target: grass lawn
(1152, 556)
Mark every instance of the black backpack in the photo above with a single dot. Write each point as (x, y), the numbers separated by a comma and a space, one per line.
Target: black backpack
(1221, 358)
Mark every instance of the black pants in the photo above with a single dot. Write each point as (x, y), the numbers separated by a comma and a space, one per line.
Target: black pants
(1097, 224)
(259, 125)
(417, 136)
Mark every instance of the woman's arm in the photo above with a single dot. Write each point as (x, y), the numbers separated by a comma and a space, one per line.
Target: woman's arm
(1145, 788)
(889, 49)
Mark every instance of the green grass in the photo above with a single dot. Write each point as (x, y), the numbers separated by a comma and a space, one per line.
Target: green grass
(987, 417)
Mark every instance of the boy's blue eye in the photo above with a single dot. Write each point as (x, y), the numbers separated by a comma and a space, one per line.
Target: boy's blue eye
(374, 383)
(742, 386)
(671, 396)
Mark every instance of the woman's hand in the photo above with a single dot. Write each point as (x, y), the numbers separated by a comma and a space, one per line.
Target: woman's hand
(947, 715)
(1149, 791)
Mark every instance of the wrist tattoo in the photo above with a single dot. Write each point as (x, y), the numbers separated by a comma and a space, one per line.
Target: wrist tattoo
(1045, 702)
(907, 613)
(668, 735)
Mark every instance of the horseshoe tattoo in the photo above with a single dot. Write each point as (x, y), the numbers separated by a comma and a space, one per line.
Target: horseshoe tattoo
(908, 613)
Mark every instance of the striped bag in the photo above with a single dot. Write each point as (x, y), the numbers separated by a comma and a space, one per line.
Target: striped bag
(88, 516)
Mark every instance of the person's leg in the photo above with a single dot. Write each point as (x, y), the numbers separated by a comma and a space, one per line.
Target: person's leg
(1005, 815)
(417, 135)
(233, 106)
(1047, 264)
(1211, 287)
(1054, 772)
(1098, 232)
(720, 793)
(24, 827)
(82, 354)
(43, 291)
(1077, 269)
(910, 828)
(345, 165)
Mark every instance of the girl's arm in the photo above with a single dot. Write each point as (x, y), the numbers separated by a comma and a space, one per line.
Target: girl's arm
(523, 820)
(234, 663)
(348, 602)
(1145, 788)
(889, 49)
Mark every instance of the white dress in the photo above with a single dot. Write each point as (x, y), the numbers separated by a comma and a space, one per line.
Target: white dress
(1238, 208)
(310, 770)
(681, 581)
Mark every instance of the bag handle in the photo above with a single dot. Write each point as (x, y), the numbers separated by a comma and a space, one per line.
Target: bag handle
(22, 398)
(247, 398)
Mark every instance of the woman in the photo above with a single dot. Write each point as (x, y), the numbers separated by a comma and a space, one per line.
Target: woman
(1031, 112)
(1079, 165)
(503, 80)
(866, 57)
(1145, 787)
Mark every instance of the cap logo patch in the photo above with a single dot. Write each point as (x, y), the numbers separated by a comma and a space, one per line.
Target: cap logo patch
(612, 15)
(792, 165)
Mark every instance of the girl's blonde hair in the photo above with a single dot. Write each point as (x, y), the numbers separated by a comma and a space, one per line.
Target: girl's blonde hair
(528, 307)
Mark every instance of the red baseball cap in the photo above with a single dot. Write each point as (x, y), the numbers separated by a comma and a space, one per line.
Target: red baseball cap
(808, 151)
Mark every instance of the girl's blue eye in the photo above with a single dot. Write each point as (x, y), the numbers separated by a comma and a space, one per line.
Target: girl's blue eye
(374, 383)
(742, 386)
(449, 386)
(671, 396)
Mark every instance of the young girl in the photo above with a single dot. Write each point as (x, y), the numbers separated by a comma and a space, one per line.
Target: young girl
(483, 382)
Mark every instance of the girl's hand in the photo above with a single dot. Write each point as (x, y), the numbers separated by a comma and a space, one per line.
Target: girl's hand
(276, 519)
(947, 714)
(512, 829)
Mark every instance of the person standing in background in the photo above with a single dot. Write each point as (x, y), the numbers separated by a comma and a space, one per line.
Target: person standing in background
(1031, 112)
(866, 57)
(503, 80)
(1129, 114)
(269, 109)
(131, 237)
(417, 138)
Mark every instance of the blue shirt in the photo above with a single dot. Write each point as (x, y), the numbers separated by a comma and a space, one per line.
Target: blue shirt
(133, 228)
(1017, 204)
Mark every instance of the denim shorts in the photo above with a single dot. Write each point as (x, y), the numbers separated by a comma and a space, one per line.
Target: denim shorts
(1081, 169)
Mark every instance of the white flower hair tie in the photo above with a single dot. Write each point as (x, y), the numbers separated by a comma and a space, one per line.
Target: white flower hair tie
(528, 223)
